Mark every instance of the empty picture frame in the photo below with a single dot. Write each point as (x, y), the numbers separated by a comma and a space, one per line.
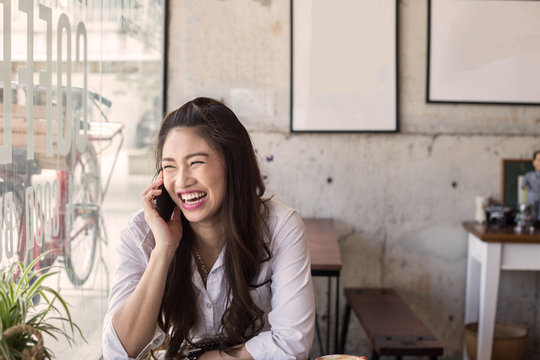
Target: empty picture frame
(511, 174)
(484, 52)
(344, 66)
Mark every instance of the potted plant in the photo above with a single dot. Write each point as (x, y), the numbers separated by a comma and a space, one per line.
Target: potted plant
(29, 308)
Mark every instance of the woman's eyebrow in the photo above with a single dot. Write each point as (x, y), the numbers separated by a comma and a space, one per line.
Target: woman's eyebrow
(189, 156)
(196, 154)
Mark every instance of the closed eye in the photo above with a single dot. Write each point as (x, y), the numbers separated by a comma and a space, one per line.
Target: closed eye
(195, 163)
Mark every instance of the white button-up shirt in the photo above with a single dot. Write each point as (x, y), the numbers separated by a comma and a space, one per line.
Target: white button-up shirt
(287, 300)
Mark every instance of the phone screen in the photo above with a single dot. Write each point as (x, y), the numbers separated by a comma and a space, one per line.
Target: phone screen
(164, 204)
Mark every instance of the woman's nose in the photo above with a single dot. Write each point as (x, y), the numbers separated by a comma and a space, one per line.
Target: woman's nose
(184, 179)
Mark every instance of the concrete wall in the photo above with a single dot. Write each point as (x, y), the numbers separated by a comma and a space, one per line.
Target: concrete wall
(399, 199)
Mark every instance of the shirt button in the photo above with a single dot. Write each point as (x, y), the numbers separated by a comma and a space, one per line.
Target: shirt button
(208, 305)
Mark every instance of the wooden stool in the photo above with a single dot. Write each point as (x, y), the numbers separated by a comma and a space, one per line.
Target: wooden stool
(391, 326)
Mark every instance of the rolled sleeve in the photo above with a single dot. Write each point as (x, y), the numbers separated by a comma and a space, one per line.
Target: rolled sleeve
(292, 316)
(113, 349)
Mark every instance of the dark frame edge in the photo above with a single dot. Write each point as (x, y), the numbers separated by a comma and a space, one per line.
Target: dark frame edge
(291, 63)
(165, 61)
(396, 2)
(428, 64)
(505, 162)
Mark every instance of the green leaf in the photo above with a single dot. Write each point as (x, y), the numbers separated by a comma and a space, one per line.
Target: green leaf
(19, 286)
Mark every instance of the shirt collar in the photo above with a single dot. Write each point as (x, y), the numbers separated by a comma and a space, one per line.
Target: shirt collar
(196, 278)
(219, 261)
(149, 243)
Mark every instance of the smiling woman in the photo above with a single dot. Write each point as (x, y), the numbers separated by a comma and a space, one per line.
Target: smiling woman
(195, 172)
(227, 275)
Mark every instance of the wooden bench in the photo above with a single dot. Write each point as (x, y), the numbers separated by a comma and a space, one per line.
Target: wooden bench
(391, 326)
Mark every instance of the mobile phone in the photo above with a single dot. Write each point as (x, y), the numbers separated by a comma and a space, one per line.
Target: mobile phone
(164, 204)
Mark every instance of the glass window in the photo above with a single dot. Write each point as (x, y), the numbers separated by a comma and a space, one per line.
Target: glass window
(80, 100)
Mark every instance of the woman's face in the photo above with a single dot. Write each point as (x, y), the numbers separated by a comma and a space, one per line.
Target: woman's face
(194, 175)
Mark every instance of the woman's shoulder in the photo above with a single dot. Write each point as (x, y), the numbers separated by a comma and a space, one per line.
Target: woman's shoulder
(136, 220)
(137, 229)
(277, 209)
(281, 216)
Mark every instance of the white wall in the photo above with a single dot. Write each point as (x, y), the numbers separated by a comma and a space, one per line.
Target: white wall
(399, 199)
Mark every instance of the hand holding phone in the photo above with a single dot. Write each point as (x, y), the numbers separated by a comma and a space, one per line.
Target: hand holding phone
(158, 204)
(164, 204)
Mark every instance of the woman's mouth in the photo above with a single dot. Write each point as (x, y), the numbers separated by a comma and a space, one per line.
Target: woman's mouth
(193, 198)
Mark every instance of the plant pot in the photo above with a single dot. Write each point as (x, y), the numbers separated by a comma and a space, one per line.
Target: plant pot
(33, 353)
(509, 341)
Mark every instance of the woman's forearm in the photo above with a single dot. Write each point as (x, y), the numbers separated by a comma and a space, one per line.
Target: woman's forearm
(136, 319)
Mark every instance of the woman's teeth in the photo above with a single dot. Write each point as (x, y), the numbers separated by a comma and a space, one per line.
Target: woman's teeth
(193, 198)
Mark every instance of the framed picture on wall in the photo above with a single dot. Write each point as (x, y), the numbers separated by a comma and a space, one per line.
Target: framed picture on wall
(344, 66)
(484, 51)
(512, 171)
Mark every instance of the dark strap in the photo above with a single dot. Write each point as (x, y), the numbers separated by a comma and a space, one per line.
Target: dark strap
(403, 338)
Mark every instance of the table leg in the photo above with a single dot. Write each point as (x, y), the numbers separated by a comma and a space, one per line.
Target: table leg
(336, 316)
(328, 308)
(472, 287)
(318, 332)
(489, 286)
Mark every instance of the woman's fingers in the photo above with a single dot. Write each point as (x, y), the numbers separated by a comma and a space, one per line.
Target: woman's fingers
(153, 186)
(165, 233)
(152, 190)
(148, 195)
(152, 193)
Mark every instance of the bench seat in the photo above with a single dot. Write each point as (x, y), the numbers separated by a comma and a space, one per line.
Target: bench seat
(390, 325)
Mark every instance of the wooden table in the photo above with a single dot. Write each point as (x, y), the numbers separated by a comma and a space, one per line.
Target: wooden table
(491, 250)
(325, 261)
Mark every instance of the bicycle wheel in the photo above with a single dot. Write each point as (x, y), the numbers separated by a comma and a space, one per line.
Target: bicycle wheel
(81, 240)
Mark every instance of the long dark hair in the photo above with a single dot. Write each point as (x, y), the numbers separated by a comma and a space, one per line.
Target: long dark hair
(244, 217)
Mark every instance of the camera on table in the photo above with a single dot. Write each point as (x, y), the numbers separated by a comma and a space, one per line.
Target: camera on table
(499, 216)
